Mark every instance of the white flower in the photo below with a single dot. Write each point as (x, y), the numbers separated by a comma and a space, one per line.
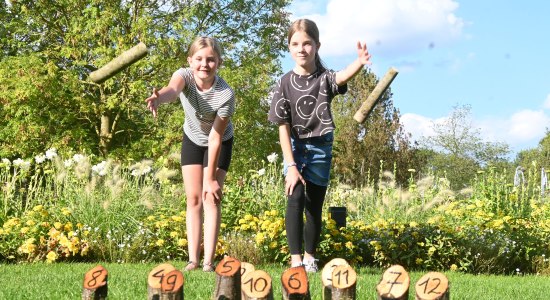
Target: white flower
(78, 158)
(51, 153)
(6, 162)
(40, 158)
(272, 157)
(100, 169)
(25, 165)
(68, 163)
(261, 172)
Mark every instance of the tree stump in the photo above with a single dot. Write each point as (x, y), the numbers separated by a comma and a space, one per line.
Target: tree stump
(256, 285)
(326, 276)
(94, 286)
(432, 286)
(344, 280)
(245, 269)
(295, 284)
(394, 284)
(228, 279)
(171, 286)
(154, 280)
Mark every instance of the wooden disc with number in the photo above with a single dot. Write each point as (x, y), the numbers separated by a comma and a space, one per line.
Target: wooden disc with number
(326, 274)
(154, 279)
(256, 284)
(343, 277)
(95, 278)
(172, 282)
(228, 266)
(394, 284)
(295, 281)
(432, 286)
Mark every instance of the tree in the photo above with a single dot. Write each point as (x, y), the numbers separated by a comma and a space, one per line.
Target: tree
(540, 154)
(69, 39)
(360, 148)
(457, 149)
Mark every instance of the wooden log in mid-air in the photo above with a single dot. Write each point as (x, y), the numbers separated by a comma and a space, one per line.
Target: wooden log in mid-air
(257, 285)
(119, 63)
(94, 286)
(432, 286)
(394, 284)
(326, 276)
(375, 95)
(155, 279)
(344, 280)
(295, 285)
(228, 279)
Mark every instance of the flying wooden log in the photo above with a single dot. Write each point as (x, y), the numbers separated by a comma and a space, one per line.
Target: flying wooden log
(295, 284)
(373, 98)
(155, 279)
(256, 285)
(326, 276)
(119, 63)
(95, 284)
(432, 286)
(394, 284)
(344, 280)
(228, 279)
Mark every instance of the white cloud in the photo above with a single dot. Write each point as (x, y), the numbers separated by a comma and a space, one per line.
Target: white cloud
(546, 104)
(417, 125)
(390, 28)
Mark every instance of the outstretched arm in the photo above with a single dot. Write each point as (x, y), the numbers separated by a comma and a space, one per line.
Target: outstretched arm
(363, 58)
(167, 94)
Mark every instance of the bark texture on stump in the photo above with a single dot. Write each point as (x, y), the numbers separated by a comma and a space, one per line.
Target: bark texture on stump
(295, 284)
(432, 286)
(394, 284)
(94, 286)
(344, 280)
(154, 280)
(326, 276)
(228, 279)
(256, 285)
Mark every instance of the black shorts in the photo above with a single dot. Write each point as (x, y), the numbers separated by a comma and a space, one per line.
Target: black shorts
(193, 154)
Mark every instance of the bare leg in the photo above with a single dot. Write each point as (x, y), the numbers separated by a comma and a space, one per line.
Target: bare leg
(192, 179)
(212, 219)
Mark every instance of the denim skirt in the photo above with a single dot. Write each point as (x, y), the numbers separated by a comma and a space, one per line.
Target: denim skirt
(313, 157)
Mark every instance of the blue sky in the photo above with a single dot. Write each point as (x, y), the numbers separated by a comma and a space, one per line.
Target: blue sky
(491, 55)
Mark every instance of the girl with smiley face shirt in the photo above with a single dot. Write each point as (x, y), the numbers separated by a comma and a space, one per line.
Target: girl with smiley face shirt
(207, 142)
(300, 105)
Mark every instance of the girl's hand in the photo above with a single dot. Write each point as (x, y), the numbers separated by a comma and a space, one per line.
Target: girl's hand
(212, 187)
(152, 102)
(363, 53)
(292, 178)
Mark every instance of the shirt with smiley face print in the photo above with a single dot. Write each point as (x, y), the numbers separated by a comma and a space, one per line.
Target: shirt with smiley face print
(303, 102)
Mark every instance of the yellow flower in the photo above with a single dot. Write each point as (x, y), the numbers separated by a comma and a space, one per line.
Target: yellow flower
(30, 223)
(413, 224)
(65, 211)
(160, 242)
(419, 261)
(431, 251)
(57, 225)
(174, 234)
(68, 226)
(248, 217)
(260, 237)
(337, 246)
(24, 230)
(38, 208)
(150, 218)
(350, 245)
(273, 245)
(177, 219)
(182, 242)
(51, 257)
(454, 267)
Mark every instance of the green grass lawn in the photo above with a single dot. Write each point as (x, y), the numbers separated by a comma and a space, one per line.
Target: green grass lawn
(129, 281)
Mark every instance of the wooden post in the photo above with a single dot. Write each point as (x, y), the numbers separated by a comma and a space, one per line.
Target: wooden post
(326, 276)
(432, 286)
(344, 280)
(171, 287)
(256, 285)
(295, 285)
(394, 284)
(119, 63)
(228, 279)
(245, 269)
(375, 95)
(94, 286)
(154, 280)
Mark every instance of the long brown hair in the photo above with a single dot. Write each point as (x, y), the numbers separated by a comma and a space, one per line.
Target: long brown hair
(310, 28)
